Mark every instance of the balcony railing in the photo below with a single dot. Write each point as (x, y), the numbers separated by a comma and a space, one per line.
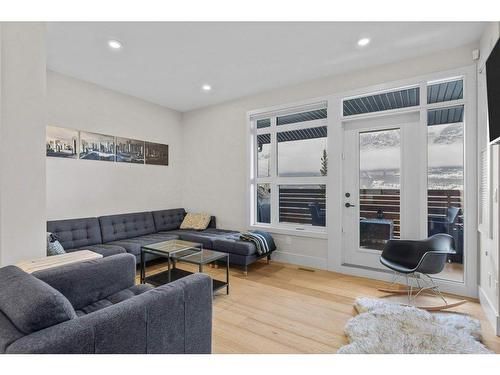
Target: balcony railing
(294, 204)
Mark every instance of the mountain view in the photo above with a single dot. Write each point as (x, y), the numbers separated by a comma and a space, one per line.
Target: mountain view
(380, 158)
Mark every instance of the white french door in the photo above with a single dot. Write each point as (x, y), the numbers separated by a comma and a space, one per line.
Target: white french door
(382, 185)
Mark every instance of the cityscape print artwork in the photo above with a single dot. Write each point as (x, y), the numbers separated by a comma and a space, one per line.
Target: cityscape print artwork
(129, 150)
(75, 144)
(61, 142)
(156, 153)
(95, 146)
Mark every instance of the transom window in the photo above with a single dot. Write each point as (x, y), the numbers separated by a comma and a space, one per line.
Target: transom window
(290, 167)
(382, 101)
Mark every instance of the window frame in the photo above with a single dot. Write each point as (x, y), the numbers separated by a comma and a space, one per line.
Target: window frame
(274, 180)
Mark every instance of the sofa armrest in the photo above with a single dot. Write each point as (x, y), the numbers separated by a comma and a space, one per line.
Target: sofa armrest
(90, 281)
(70, 337)
(173, 318)
(179, 316)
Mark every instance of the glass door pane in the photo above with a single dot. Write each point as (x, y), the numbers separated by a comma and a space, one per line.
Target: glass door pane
(445, 182)
(379, 187)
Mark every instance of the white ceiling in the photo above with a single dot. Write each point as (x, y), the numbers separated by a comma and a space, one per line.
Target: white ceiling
(167, 63)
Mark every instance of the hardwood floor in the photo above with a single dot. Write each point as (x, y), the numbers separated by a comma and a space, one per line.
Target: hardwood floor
(282, 308)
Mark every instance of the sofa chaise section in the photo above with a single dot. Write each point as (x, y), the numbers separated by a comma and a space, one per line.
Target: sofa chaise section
(94, 307)
(82, 234)
(241, 253)
(169, 222)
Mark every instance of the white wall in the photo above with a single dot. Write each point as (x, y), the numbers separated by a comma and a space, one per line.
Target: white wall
(81, 188)
(489, 227)
(22, 145)
(215, 140)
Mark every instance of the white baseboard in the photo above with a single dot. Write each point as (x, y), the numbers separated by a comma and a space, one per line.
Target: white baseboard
(300, 260)
(490, 311)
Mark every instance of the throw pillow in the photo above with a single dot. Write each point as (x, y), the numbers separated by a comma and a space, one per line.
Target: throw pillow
(54, 247)
(195, 221)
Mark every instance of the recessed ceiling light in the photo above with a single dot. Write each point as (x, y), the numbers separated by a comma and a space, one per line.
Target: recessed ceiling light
(115, 44)
(206, 88)
(363, 42)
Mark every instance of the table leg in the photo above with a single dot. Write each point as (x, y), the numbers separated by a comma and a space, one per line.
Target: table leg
(200, 268)
(169, 269)
(227, 274)
(143, 268)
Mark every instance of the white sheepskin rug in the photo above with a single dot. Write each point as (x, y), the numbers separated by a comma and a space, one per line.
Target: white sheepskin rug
(385, 327)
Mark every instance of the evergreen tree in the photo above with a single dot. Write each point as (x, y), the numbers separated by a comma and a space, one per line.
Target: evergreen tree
(324, 164)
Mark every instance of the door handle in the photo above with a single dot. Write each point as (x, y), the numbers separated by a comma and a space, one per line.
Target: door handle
(349, 205)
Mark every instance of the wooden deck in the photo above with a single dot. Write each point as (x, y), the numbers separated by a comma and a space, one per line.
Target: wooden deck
(281, 308)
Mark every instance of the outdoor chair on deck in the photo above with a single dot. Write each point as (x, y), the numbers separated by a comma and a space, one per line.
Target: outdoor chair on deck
(444, 224)
(318, 215)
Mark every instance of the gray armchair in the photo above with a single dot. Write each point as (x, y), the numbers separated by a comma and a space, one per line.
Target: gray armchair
(95, 307)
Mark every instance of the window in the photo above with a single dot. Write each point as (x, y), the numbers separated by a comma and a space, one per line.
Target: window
(301, 152)
(263, 155)
(263, 123)
(303, 204)
(445, 167)
(264, 203)
(290, 166)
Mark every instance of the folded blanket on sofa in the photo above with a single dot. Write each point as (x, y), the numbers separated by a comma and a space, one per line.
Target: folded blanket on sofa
(263, 241)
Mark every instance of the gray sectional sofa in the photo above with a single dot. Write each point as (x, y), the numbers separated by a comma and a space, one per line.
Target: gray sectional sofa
(122, 233)
(95, 307)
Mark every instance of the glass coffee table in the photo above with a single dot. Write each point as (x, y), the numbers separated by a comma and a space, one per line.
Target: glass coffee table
(177, 251)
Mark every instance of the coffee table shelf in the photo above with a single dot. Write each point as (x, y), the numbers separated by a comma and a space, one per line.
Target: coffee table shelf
(178, 273)
(176, 251)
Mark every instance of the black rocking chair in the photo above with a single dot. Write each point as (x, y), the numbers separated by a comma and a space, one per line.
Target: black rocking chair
(417, 260)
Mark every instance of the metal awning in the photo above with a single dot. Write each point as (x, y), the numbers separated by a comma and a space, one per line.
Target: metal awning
(297, 135)
(449, 115)
(382, 102)
(301, 117)
(294, 135)
(445, 91)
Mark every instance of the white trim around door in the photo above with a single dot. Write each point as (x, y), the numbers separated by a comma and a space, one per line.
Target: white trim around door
(336, 200)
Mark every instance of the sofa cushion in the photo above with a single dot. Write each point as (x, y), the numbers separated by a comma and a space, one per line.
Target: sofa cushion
(76, 233)
(195, 221)
(124, 226)
(133, 245)
(168, 219)
(205, 237)
(118, 297)
(105, 250)
(233, 244)
(220, 232)
(193, 236)
(38, 306)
